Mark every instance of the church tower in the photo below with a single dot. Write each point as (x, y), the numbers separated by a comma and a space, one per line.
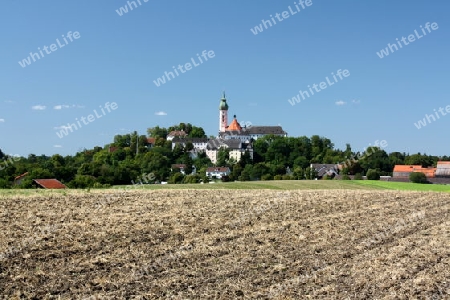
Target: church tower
(223, 114)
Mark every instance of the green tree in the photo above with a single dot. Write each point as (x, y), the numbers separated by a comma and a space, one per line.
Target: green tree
(222, 157)
(157, 132)
(358, 176)
(418, 177)
(197, 132)
(373, 174)
(176, 178)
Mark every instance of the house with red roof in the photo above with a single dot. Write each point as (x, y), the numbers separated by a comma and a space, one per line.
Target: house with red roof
(403, 171)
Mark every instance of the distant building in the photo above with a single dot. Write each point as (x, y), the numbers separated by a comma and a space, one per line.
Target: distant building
(236, 148)
(403, 171)
(18, 179)
(176, 133)
(325, 169)
(218, 172)
(112, 149)
(151, 142)
(180, 167)
(49, 184)
(198, 143)
(246, 133)
(443, 169)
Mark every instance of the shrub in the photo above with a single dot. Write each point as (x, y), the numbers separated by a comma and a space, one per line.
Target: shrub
(358, 176)
(4, 184)
(327, 177)
(418, 177)
(277, 177)
(98, 185)
(373, 174)
(191, 179)
(286, 177)
(266, 177)
(176, 178)
(346, 177)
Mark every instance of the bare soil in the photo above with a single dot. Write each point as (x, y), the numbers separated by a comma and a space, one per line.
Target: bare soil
(225, 244)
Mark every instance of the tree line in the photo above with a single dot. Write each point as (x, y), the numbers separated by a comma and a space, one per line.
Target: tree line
(129, 156)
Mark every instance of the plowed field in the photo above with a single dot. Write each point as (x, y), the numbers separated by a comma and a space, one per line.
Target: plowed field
(225, 244)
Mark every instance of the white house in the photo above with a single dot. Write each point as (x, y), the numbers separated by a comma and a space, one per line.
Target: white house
(218, 172)
(237, 149)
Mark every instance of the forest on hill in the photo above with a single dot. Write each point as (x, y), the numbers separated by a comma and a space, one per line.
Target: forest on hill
(135, 158)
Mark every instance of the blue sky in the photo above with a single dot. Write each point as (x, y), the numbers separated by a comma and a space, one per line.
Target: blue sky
(117, 58)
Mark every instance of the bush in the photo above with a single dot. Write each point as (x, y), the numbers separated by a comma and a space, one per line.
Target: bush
(277, 177)
(4, 184)
(191, 179)
(286, 177)
(327, 177)
(346, 177)
(266, 177)
(418, 177)
(98, 185)
(358, 176)
(176, 178)
(373, 174)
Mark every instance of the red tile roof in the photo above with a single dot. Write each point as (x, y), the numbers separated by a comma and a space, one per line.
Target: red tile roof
(112, 149)
(50, 183)
(406, 168)
(429, 172)
(178, 166)
(218, 169)
(177, 133)
(20, 176)
(234, 125)
(151, 141)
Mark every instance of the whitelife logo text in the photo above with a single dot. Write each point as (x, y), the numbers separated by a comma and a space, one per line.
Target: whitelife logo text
(53, 47)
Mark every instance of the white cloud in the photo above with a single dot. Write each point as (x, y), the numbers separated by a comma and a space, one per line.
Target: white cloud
(340, 102)
(2, 120)
(61, 106)
(161, 113)
(61, 127)
(57, 146)
(58, 107)
(39, 107)
(356, 101)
